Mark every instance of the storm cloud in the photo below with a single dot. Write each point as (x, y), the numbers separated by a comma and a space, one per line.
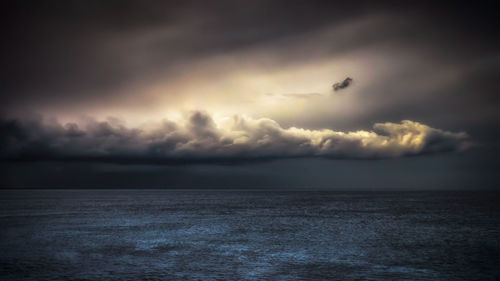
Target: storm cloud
(200, 139)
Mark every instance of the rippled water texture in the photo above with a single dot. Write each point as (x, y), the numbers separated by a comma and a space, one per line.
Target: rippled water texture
(248, 235)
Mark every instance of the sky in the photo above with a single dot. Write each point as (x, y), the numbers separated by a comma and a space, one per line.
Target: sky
(339, 95)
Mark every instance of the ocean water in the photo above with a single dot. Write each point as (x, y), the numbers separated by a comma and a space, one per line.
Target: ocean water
(248, 235)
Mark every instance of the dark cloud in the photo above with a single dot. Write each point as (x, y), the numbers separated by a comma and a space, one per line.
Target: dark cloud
(200, 140)
(342, 85)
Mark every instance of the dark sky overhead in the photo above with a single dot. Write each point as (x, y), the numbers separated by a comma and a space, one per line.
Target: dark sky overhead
(250, 94)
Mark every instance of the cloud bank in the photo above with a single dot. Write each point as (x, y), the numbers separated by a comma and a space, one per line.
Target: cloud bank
(198, 138)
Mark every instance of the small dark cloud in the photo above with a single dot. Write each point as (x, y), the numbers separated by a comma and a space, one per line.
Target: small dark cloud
(342, 85)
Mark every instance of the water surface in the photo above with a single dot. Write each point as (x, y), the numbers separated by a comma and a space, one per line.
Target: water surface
(248, 235)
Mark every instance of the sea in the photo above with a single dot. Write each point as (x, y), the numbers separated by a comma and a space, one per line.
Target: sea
(249, 235)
